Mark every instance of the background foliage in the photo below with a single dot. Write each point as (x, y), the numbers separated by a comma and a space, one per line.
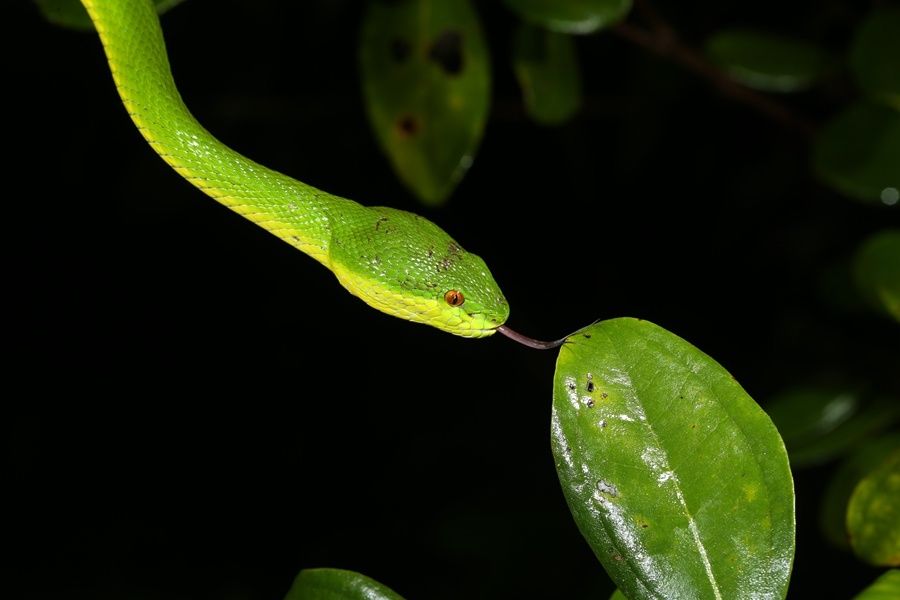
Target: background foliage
(146, 457)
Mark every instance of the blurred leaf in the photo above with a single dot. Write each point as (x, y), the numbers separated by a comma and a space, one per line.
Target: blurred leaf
(877, 271)
(618, 595)
(426, 80)
(819, 423)
(571, 16)
(886, 587)
(767, 62)
(833, 510)
(856, 153)
(676, 478)
(337, 584)
(875, 55)
(873, 516)
(71, 14)
(546, 66)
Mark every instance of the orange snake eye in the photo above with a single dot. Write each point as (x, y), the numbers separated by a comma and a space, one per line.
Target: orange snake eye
(454, 298)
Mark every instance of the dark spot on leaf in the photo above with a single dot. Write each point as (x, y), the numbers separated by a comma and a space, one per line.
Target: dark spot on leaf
(571, 385)
(295, 238)
(407, 126)
(454, 248)
(379, 222)
(587, 335)
(644, 526)
(400, 50)
(590, 386)
(430, 252)
(618, 557)
(603, 423)
(694, 426)
(604, 395)
(589, 402)
(447, 52)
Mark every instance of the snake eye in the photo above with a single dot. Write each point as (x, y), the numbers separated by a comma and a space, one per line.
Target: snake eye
(454, 298)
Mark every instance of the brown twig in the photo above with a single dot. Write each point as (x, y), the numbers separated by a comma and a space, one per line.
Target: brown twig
(662, 40)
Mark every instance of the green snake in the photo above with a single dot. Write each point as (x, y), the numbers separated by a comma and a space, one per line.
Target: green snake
(395, 261)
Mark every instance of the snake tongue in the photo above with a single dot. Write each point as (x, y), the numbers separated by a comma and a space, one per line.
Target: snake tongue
(527, 341)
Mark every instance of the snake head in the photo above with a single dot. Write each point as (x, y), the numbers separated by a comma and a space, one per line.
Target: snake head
(406, 266)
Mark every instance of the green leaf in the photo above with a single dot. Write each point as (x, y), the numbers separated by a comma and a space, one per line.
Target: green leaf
(875, 55)
(833, 509)
(618, 595)
(71, 14)
(819, 423)
(873, 515)
(571, 16)
(337, 584)
(426, 81)
(676, 478)
(546, 66)
(886, 587)
(767, 62)
(856, 154)
(877, 271)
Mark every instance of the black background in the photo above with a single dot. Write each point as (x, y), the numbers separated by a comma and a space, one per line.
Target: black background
(196, 410)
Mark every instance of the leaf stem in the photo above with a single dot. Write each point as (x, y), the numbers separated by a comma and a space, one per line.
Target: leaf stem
(661, 39)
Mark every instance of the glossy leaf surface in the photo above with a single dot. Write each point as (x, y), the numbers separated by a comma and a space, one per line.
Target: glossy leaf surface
(833, 512)
(877, 271)
(337, 584)
(426, 82)
(70, 13)
(674, 475)
(886, 587)
(819, 423)
(873, 516)
(546, 66)
(571, 16)
(856, 153)
(767, 62)
(875, 55)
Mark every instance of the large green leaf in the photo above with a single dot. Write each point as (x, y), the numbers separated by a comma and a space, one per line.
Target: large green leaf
(833, 509)
(820, 422)
(767, 62)
(70, 13)
(337, 584)
(426, 80)
(873, 515)
(571, 16)
(875, 55)
(856, 153)
(877, 271)
(675, 476)
(886, 587)
(546, 66)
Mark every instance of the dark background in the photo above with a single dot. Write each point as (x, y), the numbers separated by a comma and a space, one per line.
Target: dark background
(196, 410)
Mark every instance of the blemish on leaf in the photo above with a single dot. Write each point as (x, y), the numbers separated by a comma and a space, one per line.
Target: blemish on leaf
(407, 126)
(447, 52)
(607, 489)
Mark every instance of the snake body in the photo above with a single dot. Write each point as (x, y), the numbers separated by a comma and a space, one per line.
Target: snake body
(395, 261)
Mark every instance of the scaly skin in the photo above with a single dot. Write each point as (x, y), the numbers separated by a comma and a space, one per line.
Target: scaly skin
(395, 261)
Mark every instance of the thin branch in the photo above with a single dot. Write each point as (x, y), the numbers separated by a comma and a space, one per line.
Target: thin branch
(663, 41)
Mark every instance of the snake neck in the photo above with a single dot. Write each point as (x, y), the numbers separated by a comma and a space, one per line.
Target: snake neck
(298, 213)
